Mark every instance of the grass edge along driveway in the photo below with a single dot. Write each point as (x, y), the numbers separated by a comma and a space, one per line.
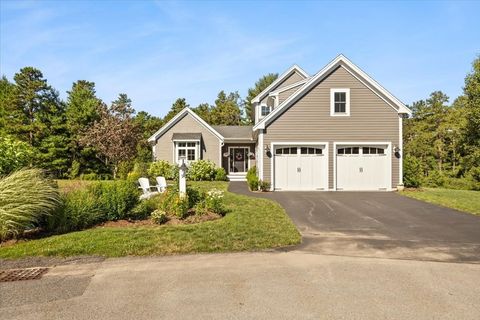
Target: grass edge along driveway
(251, 224)
(462, 200)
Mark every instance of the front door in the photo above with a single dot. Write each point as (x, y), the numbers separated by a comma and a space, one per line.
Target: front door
(238, 159)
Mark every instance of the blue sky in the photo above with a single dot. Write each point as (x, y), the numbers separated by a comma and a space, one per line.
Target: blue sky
(158, 51)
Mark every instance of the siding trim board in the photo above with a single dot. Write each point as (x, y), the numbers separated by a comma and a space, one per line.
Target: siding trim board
(285, 88)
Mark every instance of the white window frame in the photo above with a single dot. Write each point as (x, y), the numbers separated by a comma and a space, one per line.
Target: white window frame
(260, 110)
(176, 148)
(347, 102)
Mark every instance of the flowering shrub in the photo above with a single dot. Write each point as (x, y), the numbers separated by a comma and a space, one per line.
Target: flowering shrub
(159, 216)
(201, 170)
(175, 205)
(214, 201)
(162, 168)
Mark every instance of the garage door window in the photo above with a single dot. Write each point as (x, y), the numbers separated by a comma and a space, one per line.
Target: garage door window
(312, 151)
(289, 150)
(349, 150)
(370, 150)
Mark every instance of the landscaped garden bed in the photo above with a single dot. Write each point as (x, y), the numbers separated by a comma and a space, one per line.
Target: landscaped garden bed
(104, 219)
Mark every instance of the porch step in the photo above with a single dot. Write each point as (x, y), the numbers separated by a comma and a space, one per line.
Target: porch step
(237, 177)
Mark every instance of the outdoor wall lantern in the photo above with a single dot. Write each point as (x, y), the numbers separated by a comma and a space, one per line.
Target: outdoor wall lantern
(268, 152)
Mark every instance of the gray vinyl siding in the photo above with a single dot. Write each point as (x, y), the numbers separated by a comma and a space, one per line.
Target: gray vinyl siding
(210, 149)
(294, 77)
(309, 120)
(253, 162)
(282, 96)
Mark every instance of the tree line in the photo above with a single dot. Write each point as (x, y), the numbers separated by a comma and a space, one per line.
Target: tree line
(83, 135)
(442, 140)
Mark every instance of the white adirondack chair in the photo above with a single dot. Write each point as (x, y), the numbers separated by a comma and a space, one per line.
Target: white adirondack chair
(161, 184)
(148, 190)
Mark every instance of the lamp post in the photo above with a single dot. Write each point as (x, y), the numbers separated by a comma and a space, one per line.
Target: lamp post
(182, 178)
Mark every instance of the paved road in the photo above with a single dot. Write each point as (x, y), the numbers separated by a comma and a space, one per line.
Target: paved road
(298, 283)
(275, 285)
(378, 224)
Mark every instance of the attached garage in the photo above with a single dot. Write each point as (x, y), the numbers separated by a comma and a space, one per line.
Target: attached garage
(300, 167)
(363, 167)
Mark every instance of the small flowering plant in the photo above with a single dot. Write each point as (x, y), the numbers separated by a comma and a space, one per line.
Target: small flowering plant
(214, 201)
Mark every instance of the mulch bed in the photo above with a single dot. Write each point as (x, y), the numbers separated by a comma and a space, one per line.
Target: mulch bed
(171, 221)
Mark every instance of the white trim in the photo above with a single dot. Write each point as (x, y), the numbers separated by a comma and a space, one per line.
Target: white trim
(260, 155)
(248, 158)
(347, 102)
(176, 147)
(154, 147)
(220, 158)
(186, 140)
(260, 106)
(179, 116)
(297, 143)
(340, 59)
(400, 145)
(279, 80)
(291, 86)
(388, 153)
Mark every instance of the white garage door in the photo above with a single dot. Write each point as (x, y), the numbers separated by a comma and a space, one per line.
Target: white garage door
(363, 168)
(300, 168)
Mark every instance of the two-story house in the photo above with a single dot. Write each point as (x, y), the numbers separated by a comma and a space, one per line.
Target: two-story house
(335, 130)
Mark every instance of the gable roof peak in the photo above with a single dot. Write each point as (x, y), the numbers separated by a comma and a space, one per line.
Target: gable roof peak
(319, 76)
(177, 118)
(283, 76)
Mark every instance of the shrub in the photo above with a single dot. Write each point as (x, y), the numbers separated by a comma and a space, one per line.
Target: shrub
(140, 169)
(175, 205)
(15, 154)
(159, 216)
(25, 197)
(214, 201)
(115, 198)
(79, 210)
(201, 208)
(144, 208)
(435, 179)
(412, 172)
(220, 174)
(163, 169)
(124, 168)
(263, 185)
(252, 179)
(201, 170)
(74, 169)
(89, 176)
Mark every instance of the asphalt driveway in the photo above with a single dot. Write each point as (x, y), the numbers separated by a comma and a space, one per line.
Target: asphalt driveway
(378, 224)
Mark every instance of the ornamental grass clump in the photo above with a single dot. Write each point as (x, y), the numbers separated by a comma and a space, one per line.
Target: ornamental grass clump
(25, 197)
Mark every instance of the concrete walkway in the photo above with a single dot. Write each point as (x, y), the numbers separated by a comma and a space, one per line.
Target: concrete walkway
(290, 285)
(378, 224)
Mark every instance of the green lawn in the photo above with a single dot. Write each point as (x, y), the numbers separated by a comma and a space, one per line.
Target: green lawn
(463, 200)
(251, 224)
